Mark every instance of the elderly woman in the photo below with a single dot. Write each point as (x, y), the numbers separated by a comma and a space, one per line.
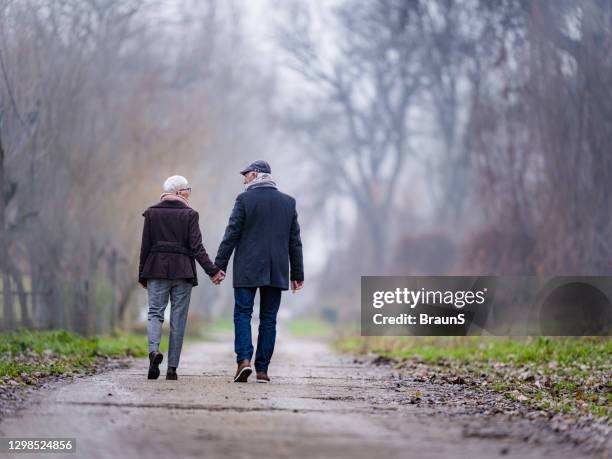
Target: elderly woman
(171, 242)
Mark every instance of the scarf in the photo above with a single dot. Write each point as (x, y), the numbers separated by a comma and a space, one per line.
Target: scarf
(262, 180)
(174, 197)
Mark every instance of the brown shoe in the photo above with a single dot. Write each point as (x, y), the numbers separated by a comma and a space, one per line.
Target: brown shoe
(243, 372)
(262, 377)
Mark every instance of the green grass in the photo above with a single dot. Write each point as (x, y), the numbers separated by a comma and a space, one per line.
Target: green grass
(309, 327)
(224, 325)
(69, 344)
(58, 352)
(297, 327)
(475, 349)
(14, 369)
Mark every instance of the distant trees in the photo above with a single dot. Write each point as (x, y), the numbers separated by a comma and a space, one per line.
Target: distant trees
(387, 85)
(476, 129)
(99, 102)
(356, 124)
(502, 109)
(59, 131)
(541, 136)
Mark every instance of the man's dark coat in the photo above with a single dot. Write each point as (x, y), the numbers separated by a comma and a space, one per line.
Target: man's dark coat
(264, 230)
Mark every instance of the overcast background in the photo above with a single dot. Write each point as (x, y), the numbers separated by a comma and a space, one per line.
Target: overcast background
(418, 137)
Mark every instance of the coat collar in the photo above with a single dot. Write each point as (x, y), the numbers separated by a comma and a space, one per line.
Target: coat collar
(256, 186)
(171, 203)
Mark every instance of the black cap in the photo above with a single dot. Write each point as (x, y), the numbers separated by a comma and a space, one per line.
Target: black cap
(258, 166)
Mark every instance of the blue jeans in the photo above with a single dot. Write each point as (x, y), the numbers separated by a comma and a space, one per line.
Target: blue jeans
(270, 298)
(179, 293)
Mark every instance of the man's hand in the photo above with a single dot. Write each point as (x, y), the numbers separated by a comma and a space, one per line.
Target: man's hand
(143, 284)
(297, 285)
(218, 278)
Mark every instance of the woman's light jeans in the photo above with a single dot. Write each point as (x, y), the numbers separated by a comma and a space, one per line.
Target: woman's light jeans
(179, 293)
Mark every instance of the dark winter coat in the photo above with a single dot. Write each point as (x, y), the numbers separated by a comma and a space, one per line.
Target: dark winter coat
(264, 230)
(171, 243)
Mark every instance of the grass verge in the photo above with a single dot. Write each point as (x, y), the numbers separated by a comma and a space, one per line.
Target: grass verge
(221, 326)
(557, 375)
(309, 328)
(26, 356)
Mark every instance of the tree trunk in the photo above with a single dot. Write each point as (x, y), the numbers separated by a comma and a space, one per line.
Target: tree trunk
(124, 301)
(378, 225)
(33, 292)
(34, 287)
(23, 297)
(9, 319)
(92, 278)
(42, 292)
(113, 281)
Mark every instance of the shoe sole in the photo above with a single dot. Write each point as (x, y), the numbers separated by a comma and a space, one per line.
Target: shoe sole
(243, 375)
(262, 381)
(154, 367)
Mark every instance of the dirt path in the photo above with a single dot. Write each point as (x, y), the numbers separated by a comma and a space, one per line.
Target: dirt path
(319, 404)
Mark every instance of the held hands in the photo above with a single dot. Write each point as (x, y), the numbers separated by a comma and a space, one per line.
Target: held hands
(218, 278)
(297, 285)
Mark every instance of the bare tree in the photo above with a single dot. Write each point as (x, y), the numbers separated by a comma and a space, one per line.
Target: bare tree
(97, 108)
(357, 126)
(6, 283)
(540, 139)
(452, 33)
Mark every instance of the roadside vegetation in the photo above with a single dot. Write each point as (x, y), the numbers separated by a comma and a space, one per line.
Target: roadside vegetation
(302, 327)
(219, 326)
(309, 327)
(28, 356)
(556, 375)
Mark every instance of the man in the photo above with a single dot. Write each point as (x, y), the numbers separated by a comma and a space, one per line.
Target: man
(264, 230)
(171, 242)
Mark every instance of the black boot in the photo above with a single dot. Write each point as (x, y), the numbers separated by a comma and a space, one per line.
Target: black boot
(171, 374)
(155, 358)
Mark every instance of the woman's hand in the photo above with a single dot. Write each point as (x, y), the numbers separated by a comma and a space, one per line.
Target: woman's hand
(218, 278)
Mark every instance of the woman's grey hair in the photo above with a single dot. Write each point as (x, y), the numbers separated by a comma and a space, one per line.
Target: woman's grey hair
(175, 184)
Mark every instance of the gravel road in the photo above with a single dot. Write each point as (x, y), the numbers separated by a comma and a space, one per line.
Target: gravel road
(319, 404)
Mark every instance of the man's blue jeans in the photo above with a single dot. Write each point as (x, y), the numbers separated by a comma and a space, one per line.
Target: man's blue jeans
(270, 298)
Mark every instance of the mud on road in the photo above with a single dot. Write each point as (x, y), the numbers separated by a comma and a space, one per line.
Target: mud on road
(319, 404)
